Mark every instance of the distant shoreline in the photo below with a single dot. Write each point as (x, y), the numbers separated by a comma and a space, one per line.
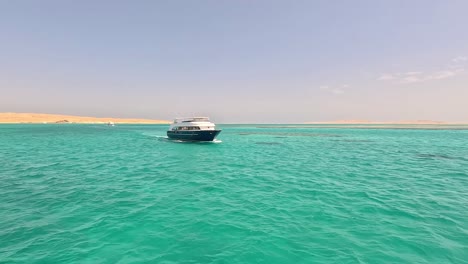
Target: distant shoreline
(404, 122)
(36, 118)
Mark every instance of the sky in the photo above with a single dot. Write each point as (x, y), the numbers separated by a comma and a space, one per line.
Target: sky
(236, 61)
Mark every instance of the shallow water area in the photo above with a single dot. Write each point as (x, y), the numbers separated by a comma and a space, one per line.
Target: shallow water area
(258, 194)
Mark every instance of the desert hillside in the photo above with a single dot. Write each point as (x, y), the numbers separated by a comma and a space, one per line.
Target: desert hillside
(49, 118)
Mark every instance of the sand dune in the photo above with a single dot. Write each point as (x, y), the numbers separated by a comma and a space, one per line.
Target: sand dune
(49, 118)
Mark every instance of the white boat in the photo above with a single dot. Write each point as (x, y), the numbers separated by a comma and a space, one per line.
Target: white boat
(193, 129)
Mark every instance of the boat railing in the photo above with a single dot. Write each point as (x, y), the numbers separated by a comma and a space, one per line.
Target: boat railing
(191, 119)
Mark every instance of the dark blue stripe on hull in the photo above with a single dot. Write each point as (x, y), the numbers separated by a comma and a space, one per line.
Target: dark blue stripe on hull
(198, 135)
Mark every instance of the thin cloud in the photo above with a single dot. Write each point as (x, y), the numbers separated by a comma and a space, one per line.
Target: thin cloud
(446, 74)
(460, 59)
(337, 91)
(334, 90)
(418, 76)
(412, 79)
(443, 75)
(386, 77)
(413, 73)
(431, 76)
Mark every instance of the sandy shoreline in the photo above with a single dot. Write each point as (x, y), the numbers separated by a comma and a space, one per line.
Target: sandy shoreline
(34, 118)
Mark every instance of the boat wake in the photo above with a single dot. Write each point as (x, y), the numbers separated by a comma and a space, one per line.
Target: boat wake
(162, 138)
(193, 141)
(167, 139)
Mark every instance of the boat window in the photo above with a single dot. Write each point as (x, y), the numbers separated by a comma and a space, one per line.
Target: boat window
(187, 128)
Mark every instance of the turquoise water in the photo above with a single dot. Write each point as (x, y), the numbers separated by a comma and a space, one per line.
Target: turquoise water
(262, 194)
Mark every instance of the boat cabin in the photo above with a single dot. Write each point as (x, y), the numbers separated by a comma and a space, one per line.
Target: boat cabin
(186, 128)
(191, 119)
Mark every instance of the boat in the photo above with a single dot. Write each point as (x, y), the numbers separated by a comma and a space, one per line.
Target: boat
(193, 129)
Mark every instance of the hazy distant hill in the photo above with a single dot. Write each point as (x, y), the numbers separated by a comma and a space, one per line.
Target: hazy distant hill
(50, 118)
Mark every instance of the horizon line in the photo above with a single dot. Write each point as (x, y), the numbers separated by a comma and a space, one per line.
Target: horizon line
(28, 117)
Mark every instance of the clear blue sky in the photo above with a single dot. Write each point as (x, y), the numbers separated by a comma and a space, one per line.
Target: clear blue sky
(236, 61)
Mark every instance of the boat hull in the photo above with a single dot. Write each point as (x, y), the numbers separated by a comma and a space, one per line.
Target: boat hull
(193, 135)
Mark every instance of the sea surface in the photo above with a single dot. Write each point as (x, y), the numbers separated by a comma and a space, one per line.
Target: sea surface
(73, 193)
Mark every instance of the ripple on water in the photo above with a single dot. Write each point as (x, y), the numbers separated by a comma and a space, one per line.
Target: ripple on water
(78, 193)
